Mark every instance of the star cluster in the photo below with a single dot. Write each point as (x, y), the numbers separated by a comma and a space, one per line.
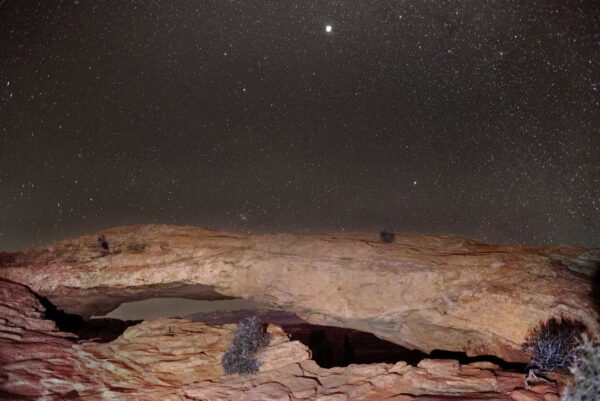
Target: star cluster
(470, 118)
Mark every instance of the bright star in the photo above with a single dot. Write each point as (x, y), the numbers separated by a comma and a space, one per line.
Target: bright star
(328, 28)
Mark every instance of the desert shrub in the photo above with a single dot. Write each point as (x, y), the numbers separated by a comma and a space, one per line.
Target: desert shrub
(586, 386)
(103, 245)
(387, 236)
(553, 344)
(248, 338)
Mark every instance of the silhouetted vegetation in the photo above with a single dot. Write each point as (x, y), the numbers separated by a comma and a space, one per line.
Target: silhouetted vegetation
(553, 345)
(249, 337)
(103, 244)
(387, 236)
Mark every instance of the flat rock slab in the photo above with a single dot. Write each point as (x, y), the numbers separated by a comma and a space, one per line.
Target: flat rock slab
(421, 292)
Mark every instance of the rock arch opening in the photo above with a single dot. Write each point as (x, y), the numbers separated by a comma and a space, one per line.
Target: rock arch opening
(153, 308)
(101, 329)
(338, 347)
(330, 346)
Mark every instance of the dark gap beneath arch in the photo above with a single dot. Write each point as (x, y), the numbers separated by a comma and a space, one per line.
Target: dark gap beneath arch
(337, 346)
(330, 346)
(102, 330)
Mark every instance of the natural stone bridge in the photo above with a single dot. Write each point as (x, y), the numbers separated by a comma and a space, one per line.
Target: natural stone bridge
(424, 292)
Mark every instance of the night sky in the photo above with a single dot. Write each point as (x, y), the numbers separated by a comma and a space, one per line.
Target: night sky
(477, 118)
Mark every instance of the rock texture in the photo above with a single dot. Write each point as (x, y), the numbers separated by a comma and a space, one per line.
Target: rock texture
(177, 360)
(424, 292)
(330, 346)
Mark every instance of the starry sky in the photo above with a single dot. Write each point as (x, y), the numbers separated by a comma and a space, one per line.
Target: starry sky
(477, 118)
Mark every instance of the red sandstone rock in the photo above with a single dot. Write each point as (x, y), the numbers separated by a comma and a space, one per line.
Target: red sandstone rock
(177, 360)
(421, 292)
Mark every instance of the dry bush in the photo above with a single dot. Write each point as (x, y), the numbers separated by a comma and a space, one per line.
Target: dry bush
(553, 344)
(249, 337)
(586, 386)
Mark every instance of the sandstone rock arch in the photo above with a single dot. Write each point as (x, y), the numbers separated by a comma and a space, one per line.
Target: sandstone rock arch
(423, 292)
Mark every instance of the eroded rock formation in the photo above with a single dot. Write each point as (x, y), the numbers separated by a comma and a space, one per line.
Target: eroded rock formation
(177, 360)
(423, 292)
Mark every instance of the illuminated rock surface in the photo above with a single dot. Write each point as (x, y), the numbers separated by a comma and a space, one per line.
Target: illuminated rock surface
(175, 359)
(422, 292)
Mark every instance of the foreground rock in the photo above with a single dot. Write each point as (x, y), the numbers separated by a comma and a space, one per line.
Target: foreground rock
(420, 292)
(175, 359)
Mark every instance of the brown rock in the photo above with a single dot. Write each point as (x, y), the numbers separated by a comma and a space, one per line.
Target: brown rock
(524, 395)
(179, 360)
(440, 367)
(36, 359)
(420, 292)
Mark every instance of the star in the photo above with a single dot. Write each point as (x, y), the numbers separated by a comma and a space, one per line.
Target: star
(286, 119)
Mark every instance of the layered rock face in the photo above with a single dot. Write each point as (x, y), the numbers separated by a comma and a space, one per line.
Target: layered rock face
(422, 292)
(179, 360)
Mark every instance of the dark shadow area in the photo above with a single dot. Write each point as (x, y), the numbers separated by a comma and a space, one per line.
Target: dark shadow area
(321, 348)
(596, 288)
(336, 346)
(102, 330)
(8, 259)
(464, 359)
(5, 395)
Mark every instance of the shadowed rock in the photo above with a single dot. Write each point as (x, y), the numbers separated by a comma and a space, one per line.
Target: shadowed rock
(596, 289)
